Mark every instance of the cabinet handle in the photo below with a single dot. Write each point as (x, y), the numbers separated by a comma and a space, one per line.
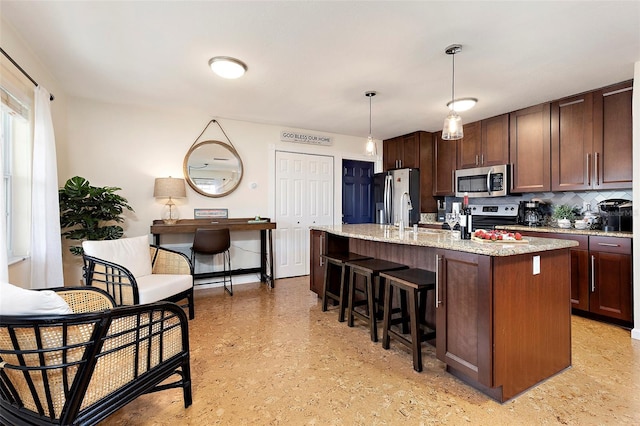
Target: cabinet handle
(476, 159)
(593, 273)
(321, 249)
(453, 181)
(609, 245)
(589, 169)
(482, 159)
(437, 298)
(596, 165)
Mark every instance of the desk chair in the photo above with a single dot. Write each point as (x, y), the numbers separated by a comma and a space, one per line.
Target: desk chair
(212, 242)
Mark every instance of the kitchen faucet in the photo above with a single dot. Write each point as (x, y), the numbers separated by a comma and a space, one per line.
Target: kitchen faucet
(408, 205)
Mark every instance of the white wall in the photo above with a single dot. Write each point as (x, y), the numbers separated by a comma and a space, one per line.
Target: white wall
(129, 146)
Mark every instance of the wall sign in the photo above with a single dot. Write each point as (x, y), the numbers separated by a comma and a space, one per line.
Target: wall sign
(289, 136)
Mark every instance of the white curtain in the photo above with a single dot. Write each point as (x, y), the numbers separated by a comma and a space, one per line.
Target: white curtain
(46, 243)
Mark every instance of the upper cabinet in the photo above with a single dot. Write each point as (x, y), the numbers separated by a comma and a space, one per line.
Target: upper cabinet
(591, 140)
(530, 149)
(401, 151)
(444, 165)
(414, 150)
(485, 143)
(572, 156)
(612, 136)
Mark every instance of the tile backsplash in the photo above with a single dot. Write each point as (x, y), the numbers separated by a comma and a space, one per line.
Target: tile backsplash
(577, 198)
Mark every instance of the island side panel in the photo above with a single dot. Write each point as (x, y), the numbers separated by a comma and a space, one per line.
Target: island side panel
(532, 319)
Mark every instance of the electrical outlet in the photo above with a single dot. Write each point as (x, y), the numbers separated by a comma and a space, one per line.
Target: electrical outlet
(585, 206)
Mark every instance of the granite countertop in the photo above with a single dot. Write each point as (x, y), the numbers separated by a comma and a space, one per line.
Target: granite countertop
(442, 239)
(573, 231)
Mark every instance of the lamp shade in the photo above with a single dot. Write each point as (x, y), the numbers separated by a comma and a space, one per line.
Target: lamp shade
(452, 128)
(169, 188)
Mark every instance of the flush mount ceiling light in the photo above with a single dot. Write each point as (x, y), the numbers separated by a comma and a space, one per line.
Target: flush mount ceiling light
(452, 129)
(371, 145)
(462, 104)
(227, 67)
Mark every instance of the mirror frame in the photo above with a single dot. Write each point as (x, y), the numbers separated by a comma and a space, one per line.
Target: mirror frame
(185, 168)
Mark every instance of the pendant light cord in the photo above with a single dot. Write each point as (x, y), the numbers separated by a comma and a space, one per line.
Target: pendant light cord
(370, 116)
(453, 79)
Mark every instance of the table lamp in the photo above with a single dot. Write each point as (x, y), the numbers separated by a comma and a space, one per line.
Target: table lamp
(169, 188)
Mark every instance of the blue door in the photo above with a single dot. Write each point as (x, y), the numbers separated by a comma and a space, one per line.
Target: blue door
(357, 191)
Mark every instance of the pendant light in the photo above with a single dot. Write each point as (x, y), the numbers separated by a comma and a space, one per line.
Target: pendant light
(452, 128)
(371, 145)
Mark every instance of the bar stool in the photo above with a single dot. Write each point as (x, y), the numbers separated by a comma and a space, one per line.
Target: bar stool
(338, 260)
(370, 270)
(416, 283)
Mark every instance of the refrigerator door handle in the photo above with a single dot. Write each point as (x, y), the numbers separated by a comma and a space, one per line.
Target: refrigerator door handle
(387, 198)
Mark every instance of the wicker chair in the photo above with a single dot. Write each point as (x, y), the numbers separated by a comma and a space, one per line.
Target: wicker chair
(82, 367)
(111, 265)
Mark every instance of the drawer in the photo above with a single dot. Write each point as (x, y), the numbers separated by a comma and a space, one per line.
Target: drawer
(610, 244)
(583, 240)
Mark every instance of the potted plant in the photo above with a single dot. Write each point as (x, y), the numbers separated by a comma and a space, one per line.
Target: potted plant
(90, 212)
(564, 214)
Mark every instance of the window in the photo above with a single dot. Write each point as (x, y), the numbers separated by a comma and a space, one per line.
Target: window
(15, 149)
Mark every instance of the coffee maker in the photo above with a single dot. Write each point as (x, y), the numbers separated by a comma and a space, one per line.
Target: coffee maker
(529, 213)
(616, 215)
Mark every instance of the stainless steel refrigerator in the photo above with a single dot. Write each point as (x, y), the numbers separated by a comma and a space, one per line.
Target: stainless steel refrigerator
(396, 195)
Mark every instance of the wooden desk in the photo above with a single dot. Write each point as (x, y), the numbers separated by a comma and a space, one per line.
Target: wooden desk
(189, 226)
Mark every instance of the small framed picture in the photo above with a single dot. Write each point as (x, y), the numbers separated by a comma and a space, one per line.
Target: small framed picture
(209, 213)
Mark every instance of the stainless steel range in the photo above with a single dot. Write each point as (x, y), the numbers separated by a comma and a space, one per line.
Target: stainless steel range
(488, 216)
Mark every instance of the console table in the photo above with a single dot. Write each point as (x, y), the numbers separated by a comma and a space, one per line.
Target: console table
(189, 226)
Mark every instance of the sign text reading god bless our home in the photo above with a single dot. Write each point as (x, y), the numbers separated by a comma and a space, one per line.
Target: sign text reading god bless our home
(288, 136)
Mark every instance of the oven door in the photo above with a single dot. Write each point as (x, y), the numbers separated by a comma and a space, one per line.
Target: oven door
(490, 222)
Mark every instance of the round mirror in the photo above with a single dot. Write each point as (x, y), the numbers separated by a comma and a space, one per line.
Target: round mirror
(213, 168)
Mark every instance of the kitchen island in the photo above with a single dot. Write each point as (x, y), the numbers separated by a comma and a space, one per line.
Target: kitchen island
(501, 311)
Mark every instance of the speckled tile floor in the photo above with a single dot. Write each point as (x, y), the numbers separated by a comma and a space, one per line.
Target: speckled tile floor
(272, 357)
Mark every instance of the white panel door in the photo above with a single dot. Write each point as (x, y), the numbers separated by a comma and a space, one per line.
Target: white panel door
(304, 196)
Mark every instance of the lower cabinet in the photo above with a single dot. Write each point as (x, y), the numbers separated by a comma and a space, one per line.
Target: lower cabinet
(611, 277)
(601, 275)
(321, 244)
(316, 270)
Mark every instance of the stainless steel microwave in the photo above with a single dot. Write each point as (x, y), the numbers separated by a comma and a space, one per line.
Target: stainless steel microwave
(492, 181)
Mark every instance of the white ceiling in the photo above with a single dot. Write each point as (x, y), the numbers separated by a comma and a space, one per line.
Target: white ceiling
(310, 63)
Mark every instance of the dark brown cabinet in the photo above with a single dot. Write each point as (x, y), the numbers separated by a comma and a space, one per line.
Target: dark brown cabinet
(579, 266)
(464, 338)
(611, 279)
(572, 157)
(601, 275)
(401, 151)
(485, 143)
(470, 146)
(414, 150)
(498, 324)
(316, 270)
(444, 165)
(530, 149)
(591, 140)
(612, 136)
